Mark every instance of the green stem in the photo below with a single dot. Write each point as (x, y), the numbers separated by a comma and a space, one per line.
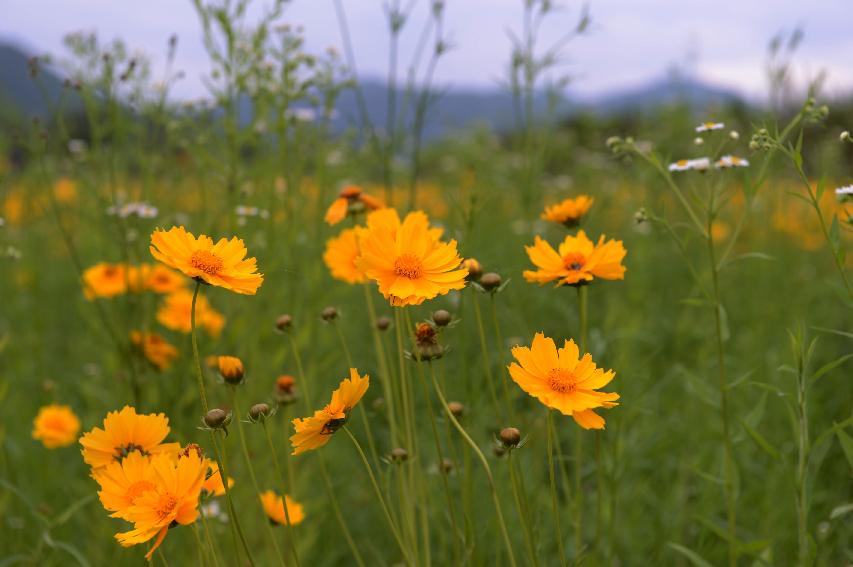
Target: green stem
(555, 507)
(582, 315)
(199, 374)
(484, 349)
(290, 536)
(501, 346)
(232, 511)
(387, 383)
(522, 516)
(213, 551)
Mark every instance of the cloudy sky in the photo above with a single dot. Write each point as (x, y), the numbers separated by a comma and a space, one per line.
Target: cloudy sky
(631, 41)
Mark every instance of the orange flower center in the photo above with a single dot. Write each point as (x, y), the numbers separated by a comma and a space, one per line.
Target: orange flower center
(562, 380)
(165, 506)
(574, 261)
(408, 265)
(138, 488)
(207, 262)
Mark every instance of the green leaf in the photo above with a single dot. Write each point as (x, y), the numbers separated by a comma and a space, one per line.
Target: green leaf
(834, 332)
(830, 366)
(760, 440)
(842, 510)
(846, 444)
(689, 554)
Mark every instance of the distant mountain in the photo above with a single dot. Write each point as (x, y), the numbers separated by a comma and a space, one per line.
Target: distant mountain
(453, 109)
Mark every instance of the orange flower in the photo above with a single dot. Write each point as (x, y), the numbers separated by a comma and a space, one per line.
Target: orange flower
(578, 261)
(155, 348)
(351, 200)
(56, 426)
(123, 482)
(562, 382)
(317, 430)
(569, 212)
(223, 264)
(410, 264)
(341, 253)
(176, 313)
(125, 431)
(104, 280)
(274, 508)
(157, 278)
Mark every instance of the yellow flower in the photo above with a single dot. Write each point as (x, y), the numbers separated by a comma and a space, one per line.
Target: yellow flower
(223, 264)
(410, 264)
(213, 485)
(274, 507)
(569, 212)
(230, 368)
(126, 431)
(578, 261)
(315, 431)
(352, 200)
(341, 253)
(56, 426)
(562, 382)
(104, 280)
(174, 499)
(389, 219)
(155, 348)
(176, 313)
(122, 483)
(157, 278)
(65, 190)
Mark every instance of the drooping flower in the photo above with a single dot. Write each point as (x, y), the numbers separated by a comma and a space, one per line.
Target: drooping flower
(157, 350)
(341, 252)
(569, 212)
(410, 264)
(561, 381)
(56, 426)
(223, 264)
(351, 200)
(104, 280)
(698, 164)
(274, 508)
(174, 499)
(317, 430)
(123, 482)
(125, 431)
(176, 313)
(578, 260)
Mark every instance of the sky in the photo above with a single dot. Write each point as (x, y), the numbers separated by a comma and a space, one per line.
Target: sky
(629, 43)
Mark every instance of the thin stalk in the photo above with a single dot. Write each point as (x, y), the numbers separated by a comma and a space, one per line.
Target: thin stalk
(484, 349)
(387, 384)
(522, 516)
(555, 506)
(290, 536)
(199, 374)
(391, 524)
(223, 472)
(301, 370)
(803, 450)
(213, 551)
(485, 463)
(578, 509)
(500, 345)
(201, 554)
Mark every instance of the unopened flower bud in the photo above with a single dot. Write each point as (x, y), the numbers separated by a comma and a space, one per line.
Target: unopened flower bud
(490, 281)
(329, 314)
(475, 270)
(283, 322)
(399, 455)
(845, 137)
(447, 466)
(217, 418)
(382, 323)
(698, 141)
(231, 369)
(510, 437)
(734, 135)
(258, 412)
(442, 318)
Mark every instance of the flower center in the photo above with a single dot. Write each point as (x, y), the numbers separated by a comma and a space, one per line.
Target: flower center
(408, 265)
(561, 380)
(138, 488)
(165, 506)
(207, 262)
(574, 261)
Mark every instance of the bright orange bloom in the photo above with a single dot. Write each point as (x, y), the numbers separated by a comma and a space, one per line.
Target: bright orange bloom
(274, 508)
(125, 431)
(351, 200)
(104, 280)
(410, 264)
(389, 219)
(174, 499)
(122, 483)
(176, 313)
(155, 348)
(230, 368)
(317, 430)
(562, 382)
(341, 253)
(569, 212)
(223, 264)
(56, 426)
(578, 260)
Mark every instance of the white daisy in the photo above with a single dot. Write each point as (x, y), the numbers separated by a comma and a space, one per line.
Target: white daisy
(727, 162)
(846, 190)
(699, 164)
(708, 126)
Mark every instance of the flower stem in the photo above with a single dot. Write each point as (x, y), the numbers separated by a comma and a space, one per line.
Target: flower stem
(199, 373)
(387, 384)
(553, 481)
(223, 472)
(522, 516)
(500, 347)
(582, 316)
(291, 538)
(213, 550)
(484, 349)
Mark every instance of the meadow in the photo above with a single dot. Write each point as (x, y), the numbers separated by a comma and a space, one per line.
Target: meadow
(701, 414)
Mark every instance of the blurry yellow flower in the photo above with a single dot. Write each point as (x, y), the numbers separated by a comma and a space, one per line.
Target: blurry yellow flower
(13, 207)
(352, 200)
(56, 426)
(341, 252)
(562, 382)
(122, 483)
(154, 277)
(578, 260)
(223, 264)
(315, 431)
(409, 264)
(155, 348)
(65, 190)
(174, 499)
(176, 313)
(475, 270)
(126, 431)
(104, 280)
(274, 507)
(720, 230)
(213, 485)
(568, 212)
